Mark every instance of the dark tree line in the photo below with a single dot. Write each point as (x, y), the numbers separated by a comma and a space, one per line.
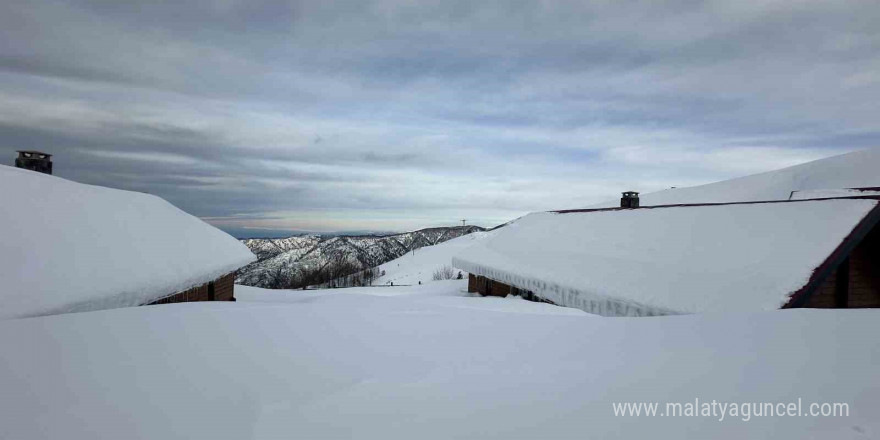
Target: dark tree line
(338, 271)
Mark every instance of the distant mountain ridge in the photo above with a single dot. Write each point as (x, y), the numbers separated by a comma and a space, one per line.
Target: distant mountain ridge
(308, 259)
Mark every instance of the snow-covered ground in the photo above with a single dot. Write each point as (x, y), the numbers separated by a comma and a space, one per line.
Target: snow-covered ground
(430, 363)
(425, 361)
(447, 293)
(421, 264)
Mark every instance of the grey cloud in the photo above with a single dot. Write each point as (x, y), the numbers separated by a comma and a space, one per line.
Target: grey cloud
(270, 110)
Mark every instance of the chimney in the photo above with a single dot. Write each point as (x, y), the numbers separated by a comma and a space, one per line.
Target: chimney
(630, 199)
(34, 161)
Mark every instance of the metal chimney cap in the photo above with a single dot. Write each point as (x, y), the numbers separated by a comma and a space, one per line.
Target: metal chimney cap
(630, 199)
(33, 152)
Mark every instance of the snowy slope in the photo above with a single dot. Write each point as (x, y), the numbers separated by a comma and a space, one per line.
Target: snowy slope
(638, 262)
(289, 257)
(361, 366)
(444, 293)
(853, 170)
(421, 264)
(73, 247)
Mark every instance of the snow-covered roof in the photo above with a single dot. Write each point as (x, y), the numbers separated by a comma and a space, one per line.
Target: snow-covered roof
(67, 246)
(668, 260)
(852, 170)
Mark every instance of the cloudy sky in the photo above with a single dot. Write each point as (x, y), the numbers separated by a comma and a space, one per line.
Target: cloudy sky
(394, 115)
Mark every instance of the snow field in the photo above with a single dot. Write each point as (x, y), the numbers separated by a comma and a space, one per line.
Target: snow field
(420, 265)
(344, 365)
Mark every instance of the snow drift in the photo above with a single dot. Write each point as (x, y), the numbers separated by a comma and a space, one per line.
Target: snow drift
(420, 265)
(359, 366)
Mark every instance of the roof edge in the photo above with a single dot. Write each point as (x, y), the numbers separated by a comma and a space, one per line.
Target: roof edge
(686, 205)
(592, 303)
(799, 297)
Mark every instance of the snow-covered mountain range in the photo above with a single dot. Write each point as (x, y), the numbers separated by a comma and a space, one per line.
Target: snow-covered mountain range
(310, 259)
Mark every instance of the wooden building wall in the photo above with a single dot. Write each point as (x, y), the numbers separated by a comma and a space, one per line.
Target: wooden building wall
(856, 282)
(221, 289)
(489, 287)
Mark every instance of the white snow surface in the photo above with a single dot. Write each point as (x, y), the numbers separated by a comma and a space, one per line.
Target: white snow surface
(641, 262)
(852, 170)
(445, 293)
(335, 364)
(70, 247)
(421, 264)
